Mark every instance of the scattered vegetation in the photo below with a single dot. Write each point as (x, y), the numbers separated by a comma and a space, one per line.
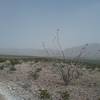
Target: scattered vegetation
(44, 94)
(2, 67)
(36, 61)
(35, 74)
(38, 70)
(2, 60)
(12, 68)
(14, 61)
(65, 95)
(67, 72)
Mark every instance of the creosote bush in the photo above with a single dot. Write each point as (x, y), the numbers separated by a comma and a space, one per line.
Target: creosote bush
(2, 60)
(12, 68)
(65, 95)
(2, 67)
(35, 74)
(14, 61)
(44, 94)
(68, 72)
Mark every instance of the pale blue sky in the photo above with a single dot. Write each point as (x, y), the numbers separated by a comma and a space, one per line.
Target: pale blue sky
(27, 23)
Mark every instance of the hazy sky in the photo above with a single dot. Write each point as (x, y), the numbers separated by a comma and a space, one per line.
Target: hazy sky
(27, 23)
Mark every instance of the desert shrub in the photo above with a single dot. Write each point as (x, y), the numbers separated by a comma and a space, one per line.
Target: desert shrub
(26, 59)
(14, 61)
(35, 74)
(68, 72)
(12, 68)
(91, 67)
(26, 85)
(38, 70)
(65, 95)
(36, 61)
(44, 94)
(2, 67)
(2, 60)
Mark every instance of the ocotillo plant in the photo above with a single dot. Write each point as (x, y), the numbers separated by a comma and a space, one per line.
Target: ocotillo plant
(68, 72)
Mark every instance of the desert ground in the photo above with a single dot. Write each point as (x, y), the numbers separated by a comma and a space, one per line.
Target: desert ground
(42, 80)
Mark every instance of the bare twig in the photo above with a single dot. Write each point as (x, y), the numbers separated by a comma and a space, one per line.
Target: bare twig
(59, 44)
(46, 50)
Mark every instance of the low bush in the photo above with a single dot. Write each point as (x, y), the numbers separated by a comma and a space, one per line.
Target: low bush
(65, 95)
(44, 94)
(14, 61)
(2, 60)
(12, 68)
(34, 75)
(2, 67)
(68, 72)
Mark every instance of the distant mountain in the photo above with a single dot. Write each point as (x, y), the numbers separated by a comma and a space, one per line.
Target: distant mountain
(29, 52)
(26, 52)
(90, 51)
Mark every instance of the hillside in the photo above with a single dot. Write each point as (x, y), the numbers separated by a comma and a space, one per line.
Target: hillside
(91, 51)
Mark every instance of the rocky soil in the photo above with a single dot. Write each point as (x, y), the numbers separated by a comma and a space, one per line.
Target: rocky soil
(23, 84)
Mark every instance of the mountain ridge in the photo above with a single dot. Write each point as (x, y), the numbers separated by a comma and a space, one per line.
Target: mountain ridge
(91, 51)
